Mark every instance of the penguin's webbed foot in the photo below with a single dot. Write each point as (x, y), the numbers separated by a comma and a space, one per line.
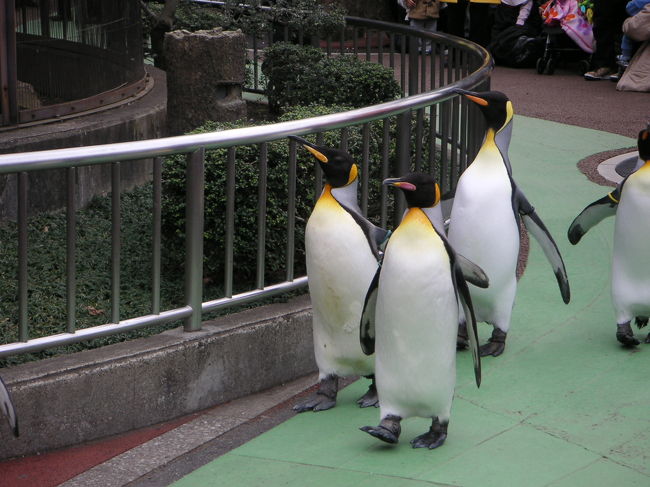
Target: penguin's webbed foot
(315, 403)
(323, 399)
(495, 345)
(625, 335)
(388, 430)
(370, 398)
(462, 339)
(433, 438)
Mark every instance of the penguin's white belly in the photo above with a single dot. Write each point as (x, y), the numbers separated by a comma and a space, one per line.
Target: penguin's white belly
(484, 230)
(416, 327)
(630, 262)
(340, 267)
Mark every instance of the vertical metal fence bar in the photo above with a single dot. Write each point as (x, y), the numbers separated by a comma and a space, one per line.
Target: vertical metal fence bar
(385, 154)
(342, 41)
(455, 142)
(380, 47)
(391, 50)
(423, 70)
(115, 242)
(71, 250)
(414, 64)
(365, 168)
(403, 157)
(402, 63)
(194, 209)
(261, 213)
(419, 131)
(318, 173)
(344, 139)
(12, 64)
(230, 223)
(291, 210)
(444, 146)
(156, 236)
(23, 320)
(355, 37)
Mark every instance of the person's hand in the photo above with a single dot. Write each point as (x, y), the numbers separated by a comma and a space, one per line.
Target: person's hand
(410, 3)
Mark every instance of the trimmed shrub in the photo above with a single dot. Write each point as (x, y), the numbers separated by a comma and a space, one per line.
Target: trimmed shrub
(246, 202)
(284, 63)
(246, 207)
(304, 76)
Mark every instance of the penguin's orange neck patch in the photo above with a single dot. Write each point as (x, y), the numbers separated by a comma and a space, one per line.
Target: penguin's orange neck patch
(416, 216)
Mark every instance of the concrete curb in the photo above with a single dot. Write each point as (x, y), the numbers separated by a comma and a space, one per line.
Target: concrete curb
(72, 399)
(160, 451)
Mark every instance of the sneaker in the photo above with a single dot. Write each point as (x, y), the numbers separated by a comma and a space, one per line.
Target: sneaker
(598, 74)
(617, 75)
(622, 61)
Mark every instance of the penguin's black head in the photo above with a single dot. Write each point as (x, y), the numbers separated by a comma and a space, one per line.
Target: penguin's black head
(420, 190)
(643, 143)
(496, 107)
(338, 166)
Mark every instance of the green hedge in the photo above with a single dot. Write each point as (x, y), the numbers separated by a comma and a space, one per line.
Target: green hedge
(246, 202)
(303, 75)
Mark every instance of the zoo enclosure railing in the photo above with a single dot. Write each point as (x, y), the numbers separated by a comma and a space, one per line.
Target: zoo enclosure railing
(454, 131)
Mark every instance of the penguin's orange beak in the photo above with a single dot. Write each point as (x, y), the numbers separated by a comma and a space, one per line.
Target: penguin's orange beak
(311, 148)
(398, 183)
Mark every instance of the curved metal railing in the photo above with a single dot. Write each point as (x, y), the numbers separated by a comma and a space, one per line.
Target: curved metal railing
(453, 127)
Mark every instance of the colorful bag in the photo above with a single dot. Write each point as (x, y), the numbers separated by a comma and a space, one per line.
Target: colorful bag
(568, 15)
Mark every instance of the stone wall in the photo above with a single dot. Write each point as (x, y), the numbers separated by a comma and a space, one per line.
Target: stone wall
(88, 395)
(137, 119)
(205, 75)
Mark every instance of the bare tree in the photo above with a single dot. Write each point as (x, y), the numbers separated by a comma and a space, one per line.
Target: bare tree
(162, 23)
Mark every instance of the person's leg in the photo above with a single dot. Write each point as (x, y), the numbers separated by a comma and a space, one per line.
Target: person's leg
(430, 25)
(480, 23)
(456, 14)
(608, 26)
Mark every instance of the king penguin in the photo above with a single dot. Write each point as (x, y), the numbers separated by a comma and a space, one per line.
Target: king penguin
(411, 318)
(8, 408)
(485, 220)
(630, 202)
(342, 249)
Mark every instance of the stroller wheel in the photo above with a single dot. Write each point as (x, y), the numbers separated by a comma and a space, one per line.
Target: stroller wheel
(584, 66)
(550, 66)
(540, 65)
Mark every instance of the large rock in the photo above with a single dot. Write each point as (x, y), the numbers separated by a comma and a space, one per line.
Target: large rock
(205, 74)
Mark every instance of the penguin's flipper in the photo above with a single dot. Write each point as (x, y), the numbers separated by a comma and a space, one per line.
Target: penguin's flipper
(472, 272)
(367, 328)
(538, 230)
(592, 215)
(375, 235)
(7, 407)
(465, 304)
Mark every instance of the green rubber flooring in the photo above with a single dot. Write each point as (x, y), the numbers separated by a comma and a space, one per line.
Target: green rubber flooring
(565, 406)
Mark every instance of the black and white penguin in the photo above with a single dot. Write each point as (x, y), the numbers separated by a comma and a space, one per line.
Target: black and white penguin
(7, 407)
(342, 250)
(485, 220)
(630, 202)
(411, 319)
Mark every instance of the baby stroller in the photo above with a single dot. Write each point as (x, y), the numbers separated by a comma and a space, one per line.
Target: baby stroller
(568, 31)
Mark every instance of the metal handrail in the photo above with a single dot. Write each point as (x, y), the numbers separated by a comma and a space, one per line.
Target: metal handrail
(194, 146)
